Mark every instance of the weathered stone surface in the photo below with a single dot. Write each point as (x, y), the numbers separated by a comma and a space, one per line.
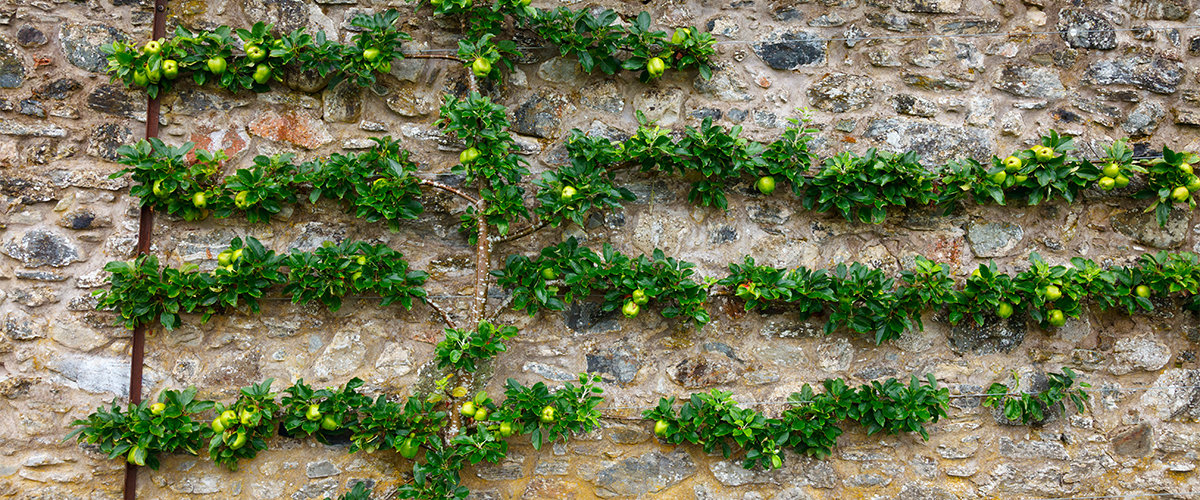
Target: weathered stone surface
(541, 115)
(1085, 29)
(286, 15)
(995, 335)
(840, 92)
(704, 370)
(1161, 9)
(603, 96)
(620, 362)
(324, 468)
(318, 490)
(11, 127)
(82, 218)
(1155, 74)
(96, 374)
(1143, 352)
(550, 488)
(407, 99)
(197, 485)
(648, 473)
(12, 68)
(18, 325)
(663, 105)
(1144, 228)
(1144, 118)
(588, 317)
(232, 139)
(627, 434)
(1030, 81)
(1033, 450)
(294, 127)
(81, 44)
(560, 70)
(916, 491)
(35, 296)
(1183, 116)
(993, 239)
(929, 6)
(724, 86)
(105, 139)
(195, 101)
(935, 142)
(30, 36)
(115, 100)
(908, 104)
(510, 468)
(790, 50)
(343, 356)
(343, 102)
(1134, 442)
(41, 247)
(1181, 401)
(940, 82)
(58, 89)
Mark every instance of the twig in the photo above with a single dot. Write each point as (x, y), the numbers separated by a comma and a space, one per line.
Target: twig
(483, 257)
(500, 308)
(433, 56)
(483, 248)
(526, 231)
(442, 311)
(452, 190)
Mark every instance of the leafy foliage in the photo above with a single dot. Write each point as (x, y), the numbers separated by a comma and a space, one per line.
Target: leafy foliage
(141, 293)
(376, 184)
(241, 429)
(581, 272)
(246, 435)
(864, 300)
(714, 420)
(1032, 407)
(145, 430)
(260, 55)
(864, 187)
(1166, 176)
(462, 350)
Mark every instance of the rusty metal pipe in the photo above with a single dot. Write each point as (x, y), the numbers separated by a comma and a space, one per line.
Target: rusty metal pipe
(145, 230)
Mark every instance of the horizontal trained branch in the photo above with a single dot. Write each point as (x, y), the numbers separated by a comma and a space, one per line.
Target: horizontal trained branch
(809, 426)
(142, 294)
(378, 184)
(627, 283)
(809, 423)
(865, 300)
(1032, 407)
(256, 56)
(142, 432)
(251, 59)
(864, 187)
(855, 297)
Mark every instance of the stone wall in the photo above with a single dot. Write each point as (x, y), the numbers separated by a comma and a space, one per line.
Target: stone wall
(1124, 68)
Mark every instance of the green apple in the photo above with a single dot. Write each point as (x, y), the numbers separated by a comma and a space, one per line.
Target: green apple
(656, 66)
(630, 309)
(481, 67)
(765, 184)
(1012, 164)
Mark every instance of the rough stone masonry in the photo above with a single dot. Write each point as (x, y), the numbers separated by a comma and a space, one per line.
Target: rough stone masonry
(890, 74)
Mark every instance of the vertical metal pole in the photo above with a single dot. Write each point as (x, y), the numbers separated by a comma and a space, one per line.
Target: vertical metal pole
(145, 228)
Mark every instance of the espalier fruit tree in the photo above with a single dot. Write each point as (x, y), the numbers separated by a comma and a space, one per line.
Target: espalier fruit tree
(452, 425)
